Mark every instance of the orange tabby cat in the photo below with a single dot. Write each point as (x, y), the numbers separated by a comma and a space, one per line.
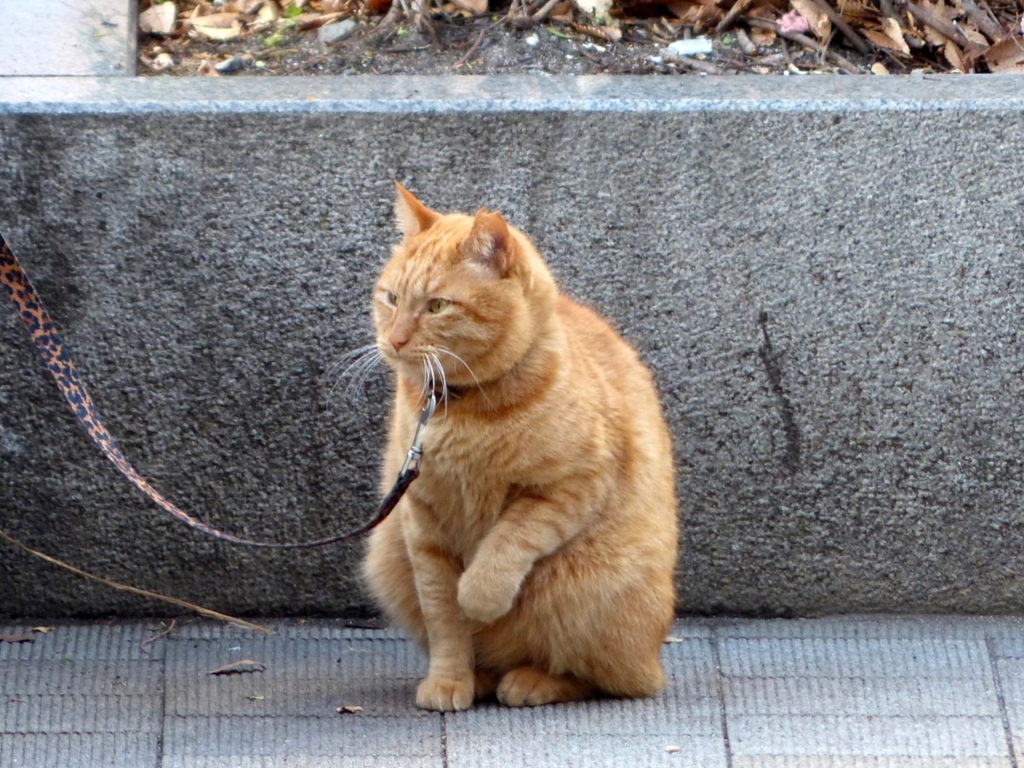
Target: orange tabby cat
(533, 558)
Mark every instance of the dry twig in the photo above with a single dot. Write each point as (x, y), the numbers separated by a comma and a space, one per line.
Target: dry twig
(545, 9)
(382, 31)
(476, 44)
(738, 7)
(858, 42)
(745, 42)
(985, 21)
(154, 638)
(927, 17)
(844, 63)
(135, 590)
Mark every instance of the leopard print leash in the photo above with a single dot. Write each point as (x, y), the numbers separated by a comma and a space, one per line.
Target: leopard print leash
(58, 362)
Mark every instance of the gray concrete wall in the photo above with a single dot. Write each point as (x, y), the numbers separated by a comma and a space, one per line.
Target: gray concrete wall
(826, 275)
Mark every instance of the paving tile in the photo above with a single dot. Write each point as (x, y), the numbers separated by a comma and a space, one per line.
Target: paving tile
(1007, 637)
(867, 761)
(1011, 678)
(948, 737)
(57, 37)
(853, 657)
(838, 691)
(864, 627)
(80, 695)
(286, 715)
(908, 696)
(686, 714)
(607, 733)
(303, 676)
(127, 641)
(350, 741)
(79, 750)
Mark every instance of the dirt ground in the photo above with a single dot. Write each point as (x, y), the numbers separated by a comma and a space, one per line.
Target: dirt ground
(450, 40)
(474, 47)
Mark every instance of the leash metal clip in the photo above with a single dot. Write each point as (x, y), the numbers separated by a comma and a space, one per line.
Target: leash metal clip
(415, 455)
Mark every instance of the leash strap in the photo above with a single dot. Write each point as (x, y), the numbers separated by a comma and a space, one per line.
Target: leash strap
(58, 362)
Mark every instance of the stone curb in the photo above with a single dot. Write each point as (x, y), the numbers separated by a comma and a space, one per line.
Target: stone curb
(822, 272)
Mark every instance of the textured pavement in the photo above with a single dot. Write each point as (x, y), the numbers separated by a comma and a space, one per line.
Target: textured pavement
(883, 692)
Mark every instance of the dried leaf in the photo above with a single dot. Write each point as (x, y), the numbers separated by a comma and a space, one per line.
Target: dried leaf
(207, 69)
(878, 68)
(454, 10)
(708, 17)
(857, 11)
(972, 33)
(819, 23)
(596, 8)
(941, 11)
(348, 709)
(268, 16)
(880, 39)
(681, 9)
(766, 12)
(474, 6)
(762, 36)
(952, 54)
(894, 32)
(42, 630)
(238, 668)
(158, 19)
(17, 639)
(614, 34)
(1007, 56)
(219, 27)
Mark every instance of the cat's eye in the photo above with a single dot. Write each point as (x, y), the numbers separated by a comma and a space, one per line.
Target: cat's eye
(437, 305)
(391, 299)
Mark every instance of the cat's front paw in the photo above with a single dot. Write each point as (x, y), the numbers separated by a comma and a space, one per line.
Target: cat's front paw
(444, 694)
(486, 596)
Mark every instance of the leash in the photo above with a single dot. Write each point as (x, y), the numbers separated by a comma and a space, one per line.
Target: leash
(50, 346)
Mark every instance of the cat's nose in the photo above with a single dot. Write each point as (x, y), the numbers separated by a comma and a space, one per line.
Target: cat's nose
(397, 341)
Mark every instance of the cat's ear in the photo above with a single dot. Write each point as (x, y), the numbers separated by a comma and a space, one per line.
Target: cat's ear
(489, 243)
(413, 216)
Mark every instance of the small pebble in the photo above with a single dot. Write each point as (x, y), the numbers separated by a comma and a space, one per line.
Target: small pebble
(332, 33)
(229, 66)
(533, 41)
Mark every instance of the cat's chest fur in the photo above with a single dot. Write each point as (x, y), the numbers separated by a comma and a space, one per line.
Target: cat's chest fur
(471, 471)
(460, 480)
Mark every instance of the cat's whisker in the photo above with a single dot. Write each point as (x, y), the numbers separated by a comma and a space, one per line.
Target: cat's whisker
(362, 362)
(349, 357)
(435, 363)
(371, 365)
(444, 380)
(428, 382)
(470, 370)
(464, 363)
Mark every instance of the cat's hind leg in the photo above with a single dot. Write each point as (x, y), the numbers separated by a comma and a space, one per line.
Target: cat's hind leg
(532, 687)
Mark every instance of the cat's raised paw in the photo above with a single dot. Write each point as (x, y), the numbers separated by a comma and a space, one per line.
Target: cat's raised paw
(486, 596)
(531, 687)
(444, 694)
